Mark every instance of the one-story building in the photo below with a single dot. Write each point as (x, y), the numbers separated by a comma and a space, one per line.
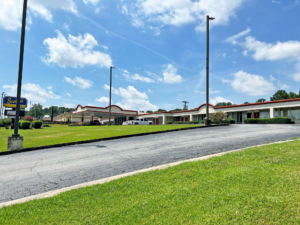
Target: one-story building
(271, 109)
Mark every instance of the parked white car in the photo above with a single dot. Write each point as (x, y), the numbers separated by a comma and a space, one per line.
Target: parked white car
(138, 122)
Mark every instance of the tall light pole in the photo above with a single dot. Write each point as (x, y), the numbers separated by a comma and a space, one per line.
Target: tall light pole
(207, 123)
(110, 94)
(20, 70)
(1, 106)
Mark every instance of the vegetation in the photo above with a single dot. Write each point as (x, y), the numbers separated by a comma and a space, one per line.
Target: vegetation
(246, 102)
(281, 95)
(255, 186)
(176, 110)
(28, 118)
(223, 104)
(161, 110)
(149, 111)
(277, 120)
(217, 117)
(229, 121)
(261, 100)
(58, 134)
(37, 111)
(5, 122)
(37, 124)
(24, 124)
(186, 122)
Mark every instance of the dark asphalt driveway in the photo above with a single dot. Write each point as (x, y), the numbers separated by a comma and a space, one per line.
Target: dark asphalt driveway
(35, 172)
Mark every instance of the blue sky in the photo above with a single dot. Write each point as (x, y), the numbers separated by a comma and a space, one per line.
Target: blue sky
(158, 49)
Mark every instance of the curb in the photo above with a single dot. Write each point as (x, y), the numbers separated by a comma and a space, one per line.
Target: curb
(103, 139)
(108, 179)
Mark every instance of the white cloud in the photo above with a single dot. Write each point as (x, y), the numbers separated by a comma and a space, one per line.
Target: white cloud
(218, 99)
(104, 47)
(113, 90)
(79, 82)
(124, 9)
(11, 11)
(33, 92)
(66, 27)
(272, 78)
(211, 91)
(283, 86)
(182, 12)
(69, 95)
(150, 91)
(75, 52)
(94, 2)
(226, 81)
(49, 88)
(245, 53)
(253, 85)
(156, 30)
(69, 105)
(233, 38)
(277, 2)
(133, 99)
(170, 75)
(103, 100)
(136, 77)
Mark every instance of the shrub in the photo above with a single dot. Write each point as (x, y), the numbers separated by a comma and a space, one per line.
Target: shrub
(5, 122)
(46, 125)
(37, 124)
(29, 118)
(169, 122)
(186, 122)
(217, 117)
(24, 124)
(229, 121)
(277, 120)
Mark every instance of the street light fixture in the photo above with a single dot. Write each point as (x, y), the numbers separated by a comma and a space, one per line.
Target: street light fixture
(207, 121)
(110, 94)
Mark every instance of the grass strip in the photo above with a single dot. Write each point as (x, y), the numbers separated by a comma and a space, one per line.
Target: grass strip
(255, 186)
(59, 134)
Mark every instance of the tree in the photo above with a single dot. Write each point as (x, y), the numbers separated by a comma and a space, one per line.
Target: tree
(174, 110)
(161, 110)
(223, 104)
(280, 95)
(217, 117)
(261, 100)
(293, 95)
(246, 102)
(142, 111)
(149, 111)
(36, 111)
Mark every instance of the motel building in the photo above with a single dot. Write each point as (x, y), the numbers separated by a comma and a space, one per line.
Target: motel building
(281, 108)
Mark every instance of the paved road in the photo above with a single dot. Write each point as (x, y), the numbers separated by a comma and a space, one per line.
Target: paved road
(35, 172)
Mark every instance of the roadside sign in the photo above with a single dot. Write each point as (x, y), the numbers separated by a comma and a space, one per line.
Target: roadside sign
(13, 113)
(11, 102)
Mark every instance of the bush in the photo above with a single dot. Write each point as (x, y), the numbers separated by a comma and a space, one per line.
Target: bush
(24, 124)
(37, 124)
(277, 120)
(169, 122)
(217, 117)
(229, 121)
(29, 118)
(186, 122)
(46, 125)
(5, 122)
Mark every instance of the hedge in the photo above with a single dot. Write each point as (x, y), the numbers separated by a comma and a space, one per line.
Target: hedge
(24, 124)
(277, 120)
(230, 121)
(186, 122)
(37, 124)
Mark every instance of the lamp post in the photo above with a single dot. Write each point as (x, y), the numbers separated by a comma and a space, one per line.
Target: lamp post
(207, 121)
(110, 94)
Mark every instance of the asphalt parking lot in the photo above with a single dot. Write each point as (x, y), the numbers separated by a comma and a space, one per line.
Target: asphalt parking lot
(35, 172)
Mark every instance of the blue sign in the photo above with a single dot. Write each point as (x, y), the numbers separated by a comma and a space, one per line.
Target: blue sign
(11, 102)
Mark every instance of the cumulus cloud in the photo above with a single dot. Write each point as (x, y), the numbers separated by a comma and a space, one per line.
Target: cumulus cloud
(33, 92)
(103, 100)
(11, 11)
(211, 91)
(94, 2)
(250, 84)
(170, 75)
(133, 99)
(79, 82)
(178, 13)
(113, 90)
(218, 99)
(136, 77)
(69, 95)
(233, 38)
(75, 52)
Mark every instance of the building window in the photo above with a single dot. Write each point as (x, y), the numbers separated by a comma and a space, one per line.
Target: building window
(295, 114)
(264, 114)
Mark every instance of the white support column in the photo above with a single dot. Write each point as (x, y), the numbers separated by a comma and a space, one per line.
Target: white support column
(127, 117)
(164, 122)
(272, 112)
(92, 114)
(191, 117)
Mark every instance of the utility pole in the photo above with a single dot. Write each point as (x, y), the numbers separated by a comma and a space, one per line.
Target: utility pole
(207, 121)
(185, 107)
(110, 94)
(1, 107)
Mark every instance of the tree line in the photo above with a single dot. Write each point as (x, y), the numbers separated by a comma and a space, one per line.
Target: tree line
(37, 111)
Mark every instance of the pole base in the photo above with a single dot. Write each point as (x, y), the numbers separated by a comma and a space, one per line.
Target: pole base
(207, 122)
(15, 143)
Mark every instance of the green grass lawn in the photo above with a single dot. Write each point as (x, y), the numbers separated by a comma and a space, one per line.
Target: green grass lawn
(256, 186)
(58, 134)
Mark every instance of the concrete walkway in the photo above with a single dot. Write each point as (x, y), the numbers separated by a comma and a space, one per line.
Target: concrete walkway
(32, 173)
